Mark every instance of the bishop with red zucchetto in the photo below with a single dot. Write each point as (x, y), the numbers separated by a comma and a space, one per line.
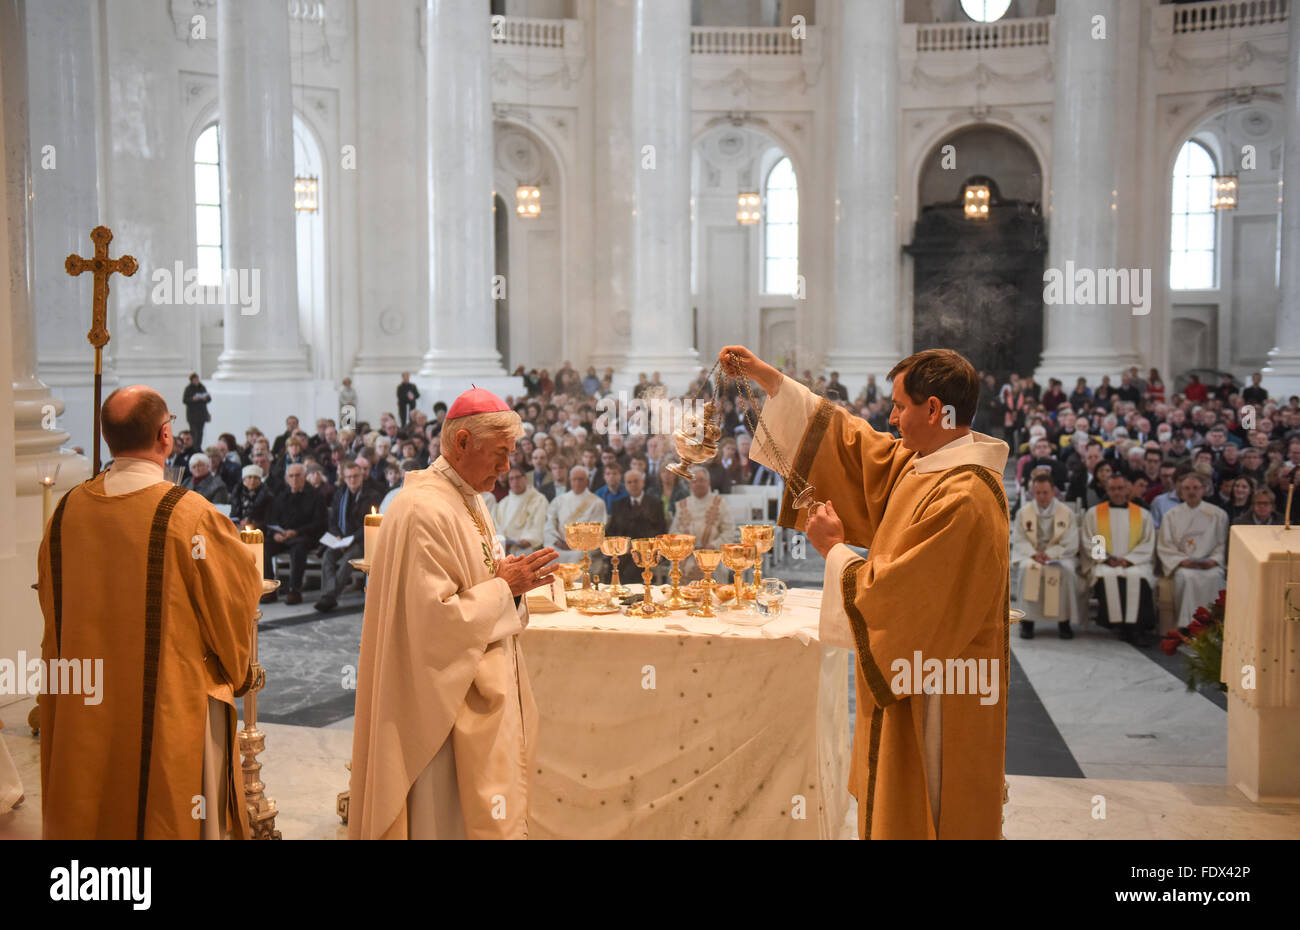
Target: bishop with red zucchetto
(446, 725)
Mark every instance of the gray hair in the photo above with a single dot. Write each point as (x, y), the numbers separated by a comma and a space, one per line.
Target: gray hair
(481, 426)
(579, 468)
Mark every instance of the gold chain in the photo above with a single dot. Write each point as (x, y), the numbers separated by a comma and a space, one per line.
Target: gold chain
(783, 466)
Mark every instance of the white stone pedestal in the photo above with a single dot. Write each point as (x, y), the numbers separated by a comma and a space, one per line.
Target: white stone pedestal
(1263, 721)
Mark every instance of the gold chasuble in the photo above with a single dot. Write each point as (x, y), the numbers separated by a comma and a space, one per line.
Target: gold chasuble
(152, 595)
(926, 612)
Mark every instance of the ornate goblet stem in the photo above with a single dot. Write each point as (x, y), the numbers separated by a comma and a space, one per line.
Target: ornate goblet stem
(645, 553)
(708, 560)
(761, 536)
(739, 557)
(675, 547)
(614, 547)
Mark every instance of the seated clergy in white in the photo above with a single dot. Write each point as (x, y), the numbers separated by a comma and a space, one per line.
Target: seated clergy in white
(446, 726)
(1044, 546)
(1192, 545)
(1118, 553)
(520, 516)
(576, 505)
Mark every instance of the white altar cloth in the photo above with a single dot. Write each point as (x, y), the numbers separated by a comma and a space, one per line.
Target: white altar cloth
(686, 728)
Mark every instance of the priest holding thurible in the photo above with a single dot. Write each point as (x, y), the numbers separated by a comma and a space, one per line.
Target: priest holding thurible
(446, 726)
(930, 508)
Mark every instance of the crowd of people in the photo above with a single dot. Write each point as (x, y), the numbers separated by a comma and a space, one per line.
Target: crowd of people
(1088, 454)
(1120, 485)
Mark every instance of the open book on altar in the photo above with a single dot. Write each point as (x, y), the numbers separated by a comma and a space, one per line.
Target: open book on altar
(548, 599)
(333, 542)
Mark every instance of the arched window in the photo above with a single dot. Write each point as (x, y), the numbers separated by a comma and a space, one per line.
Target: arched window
(1194, 233)
(985, 11)
(781, 230)
(207, 205)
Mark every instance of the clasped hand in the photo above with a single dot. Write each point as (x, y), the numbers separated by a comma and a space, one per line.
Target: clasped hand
(525, 572)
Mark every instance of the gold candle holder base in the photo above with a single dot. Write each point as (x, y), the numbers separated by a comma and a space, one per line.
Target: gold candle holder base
(252, 741)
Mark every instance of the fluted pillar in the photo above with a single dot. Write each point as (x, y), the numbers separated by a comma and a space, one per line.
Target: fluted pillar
(1283, 374)
(1084, 340)
(65, 144)
(864, 332)
(643, 189)
(462, 314)
(37, 436)
(262, 342)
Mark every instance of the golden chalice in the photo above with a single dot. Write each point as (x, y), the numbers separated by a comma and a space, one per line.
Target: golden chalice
(586, 536)
(645, 553)
(739, 557)
(675, 547)
(761, 536)
(569, 572)
(615, 546)
(707, 560)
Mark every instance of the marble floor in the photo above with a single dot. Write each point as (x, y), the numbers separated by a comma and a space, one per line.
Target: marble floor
(304, 771)
(1089, 718)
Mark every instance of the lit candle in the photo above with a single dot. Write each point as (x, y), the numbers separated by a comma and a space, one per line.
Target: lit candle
(373, 521)
(253, 539)
(47, 498)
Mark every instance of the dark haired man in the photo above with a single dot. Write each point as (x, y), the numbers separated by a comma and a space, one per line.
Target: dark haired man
(930, 508)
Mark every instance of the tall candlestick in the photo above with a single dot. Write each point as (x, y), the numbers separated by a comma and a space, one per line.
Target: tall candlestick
(373, 521)
(253, 539)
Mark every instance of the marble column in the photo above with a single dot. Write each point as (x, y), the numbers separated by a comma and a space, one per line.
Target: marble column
(1282, 377)
(62, 39)
(262, 341)
(37, 436)
(1085, 340)
(864, 331)
(390, 176)
(462, 310)
(643, 189)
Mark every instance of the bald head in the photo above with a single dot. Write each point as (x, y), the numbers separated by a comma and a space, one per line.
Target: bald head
(136, 422)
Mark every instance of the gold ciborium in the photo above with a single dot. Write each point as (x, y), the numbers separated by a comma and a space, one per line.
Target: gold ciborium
(586, 536)
(761, 536)
(675, 547)
(615, 546)
(707, 560)
(645, 553)
(739, 557)
(570, 572)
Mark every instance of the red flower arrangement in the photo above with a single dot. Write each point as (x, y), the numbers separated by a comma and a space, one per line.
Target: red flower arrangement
(1204, 637)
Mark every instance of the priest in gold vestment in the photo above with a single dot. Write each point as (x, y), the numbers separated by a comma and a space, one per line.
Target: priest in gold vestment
(446, 727)
(154, 581)
(934, 587)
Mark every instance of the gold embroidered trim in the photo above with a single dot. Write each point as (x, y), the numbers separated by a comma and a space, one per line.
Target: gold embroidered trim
(873, 758)
(880, 691)
(812, 439)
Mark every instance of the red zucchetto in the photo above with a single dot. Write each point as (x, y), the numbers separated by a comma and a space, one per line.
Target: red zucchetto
(474, 401)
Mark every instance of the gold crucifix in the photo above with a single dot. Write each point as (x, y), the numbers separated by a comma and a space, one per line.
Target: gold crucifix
(102, 266)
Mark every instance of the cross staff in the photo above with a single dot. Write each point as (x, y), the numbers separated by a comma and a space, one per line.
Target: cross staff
(102, 266)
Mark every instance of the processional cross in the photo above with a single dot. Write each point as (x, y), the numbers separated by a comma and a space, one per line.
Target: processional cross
(102, 266)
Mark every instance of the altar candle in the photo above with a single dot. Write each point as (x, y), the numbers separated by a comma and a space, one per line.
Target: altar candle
(47, 498)
(373, 521)
(253, 539)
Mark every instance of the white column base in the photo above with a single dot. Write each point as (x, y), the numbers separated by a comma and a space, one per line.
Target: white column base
(1282, 376)
(261, 365)
(237, 405)
(467, 363)
(447, 389)
(1092, 364)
